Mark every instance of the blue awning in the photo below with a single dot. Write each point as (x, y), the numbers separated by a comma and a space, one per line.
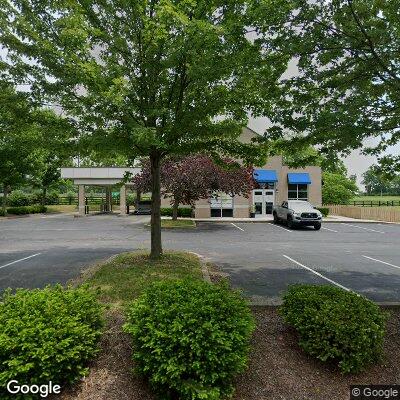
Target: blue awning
(265, 175)
(299, 178)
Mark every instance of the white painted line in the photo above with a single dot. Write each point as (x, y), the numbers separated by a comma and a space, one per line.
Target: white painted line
(317, 273)
(278, 226)
(237, 226)
(383, 262)
(361, 227)
(327, 229)
(21, 259)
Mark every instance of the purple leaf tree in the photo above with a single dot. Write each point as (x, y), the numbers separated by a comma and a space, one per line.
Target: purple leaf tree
(194, 177)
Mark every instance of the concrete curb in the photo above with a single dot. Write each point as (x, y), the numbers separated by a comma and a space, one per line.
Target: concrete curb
(276, 302)
(335, 221)
(204, 269)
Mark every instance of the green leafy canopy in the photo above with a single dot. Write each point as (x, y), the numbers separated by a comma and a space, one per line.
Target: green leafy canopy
(344, 83)
(172, 77)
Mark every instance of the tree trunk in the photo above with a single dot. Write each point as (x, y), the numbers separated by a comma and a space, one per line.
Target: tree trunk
(4, 203)
(156, 246)
(138, 198)
(43, 199)
(175, 207)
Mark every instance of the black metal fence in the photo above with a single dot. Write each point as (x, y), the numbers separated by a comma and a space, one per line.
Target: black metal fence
(89, 200)
(375, 203)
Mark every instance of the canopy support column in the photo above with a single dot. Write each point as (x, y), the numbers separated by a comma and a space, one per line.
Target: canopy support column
(81, 199)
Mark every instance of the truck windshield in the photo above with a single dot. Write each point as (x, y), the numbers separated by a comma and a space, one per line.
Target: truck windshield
(300, 205)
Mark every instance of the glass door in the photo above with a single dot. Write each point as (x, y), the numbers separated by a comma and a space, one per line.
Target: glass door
(263, 201)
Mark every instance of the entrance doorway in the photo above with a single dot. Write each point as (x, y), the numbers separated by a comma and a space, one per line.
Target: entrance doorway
(263, 201)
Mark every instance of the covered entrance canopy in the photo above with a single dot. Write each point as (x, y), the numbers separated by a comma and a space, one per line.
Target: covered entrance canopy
(99, 176)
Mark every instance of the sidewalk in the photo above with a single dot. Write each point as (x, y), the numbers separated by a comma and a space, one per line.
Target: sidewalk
(330, 218)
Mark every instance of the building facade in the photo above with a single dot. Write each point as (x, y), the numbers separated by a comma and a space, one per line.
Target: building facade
(275, 183)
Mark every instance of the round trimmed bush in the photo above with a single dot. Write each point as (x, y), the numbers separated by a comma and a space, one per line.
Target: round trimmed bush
(337, 325)
(47, 335)
(190, 338)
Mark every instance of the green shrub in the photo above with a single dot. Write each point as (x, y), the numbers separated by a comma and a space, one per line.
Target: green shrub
(166, 211)
(2, 213)
(336, 325)
(71, 197)
(26, 210)
(47, 335)
(18, 198)
(51, 198)
(182, 212)
(130, 199)
(190, 338)
(324, 210)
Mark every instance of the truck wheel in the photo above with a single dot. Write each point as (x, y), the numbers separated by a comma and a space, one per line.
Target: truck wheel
(276, 219)
(290, 223)
(317, 227)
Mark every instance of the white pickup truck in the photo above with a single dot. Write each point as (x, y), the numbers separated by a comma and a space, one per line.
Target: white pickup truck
(297, 213)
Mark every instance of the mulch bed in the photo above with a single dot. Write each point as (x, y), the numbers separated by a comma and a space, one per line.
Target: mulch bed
(278, 368)
(111, 376)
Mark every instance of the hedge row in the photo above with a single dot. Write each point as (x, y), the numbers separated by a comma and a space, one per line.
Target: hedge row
(336, 325)
(18, 198)
(190, 338)
(182, 212)
(47, 335)
(324, 211)
(26, 210)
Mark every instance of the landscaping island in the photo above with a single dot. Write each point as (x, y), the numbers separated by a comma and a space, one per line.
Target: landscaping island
(277, 367)
(160, 314)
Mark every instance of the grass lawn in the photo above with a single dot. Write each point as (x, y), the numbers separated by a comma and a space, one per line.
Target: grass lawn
(180, 223)
(126, 276)
(62, 208)
(376, 198)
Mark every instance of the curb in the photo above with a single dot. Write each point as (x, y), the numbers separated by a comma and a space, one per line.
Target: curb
(358, 221)
(262, 301)
(204, 269)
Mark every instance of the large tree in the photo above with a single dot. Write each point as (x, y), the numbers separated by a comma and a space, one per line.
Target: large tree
(53, 149)
(31, 138)
(18, 137)
(149, 78)
(377, 182)
(188, 179)
(337, 188)
(344, 84)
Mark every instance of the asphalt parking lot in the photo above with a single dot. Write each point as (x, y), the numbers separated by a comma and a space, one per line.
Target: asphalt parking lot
(261, 258)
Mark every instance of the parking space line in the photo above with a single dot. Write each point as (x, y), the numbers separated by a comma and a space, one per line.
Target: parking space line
(237, 226)
(317, 273)
(278, 226)
(383, 262)
(21, 259)
(361, 227)
(327, 229)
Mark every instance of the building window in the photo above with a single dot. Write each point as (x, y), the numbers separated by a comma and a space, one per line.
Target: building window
(297, 192)
(221, 205)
